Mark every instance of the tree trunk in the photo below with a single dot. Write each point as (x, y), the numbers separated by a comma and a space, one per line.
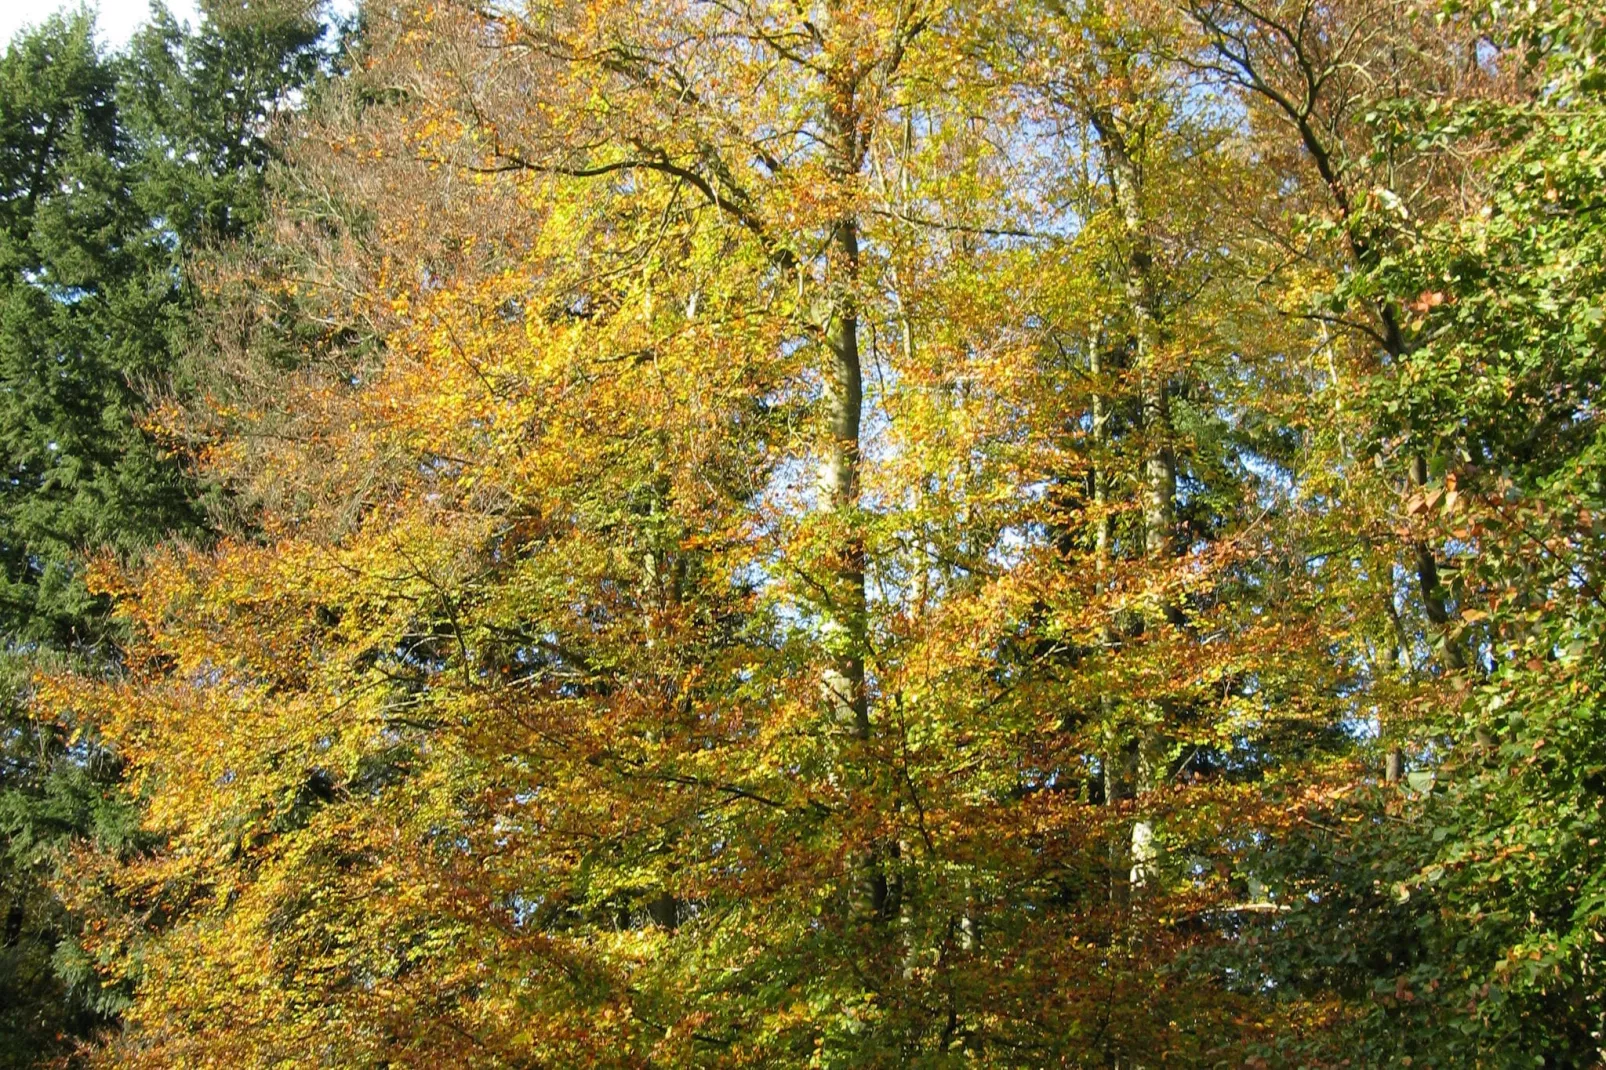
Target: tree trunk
(1159, 461)
(844, 624)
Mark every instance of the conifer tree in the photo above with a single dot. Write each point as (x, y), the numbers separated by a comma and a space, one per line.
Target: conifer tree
(116, 170)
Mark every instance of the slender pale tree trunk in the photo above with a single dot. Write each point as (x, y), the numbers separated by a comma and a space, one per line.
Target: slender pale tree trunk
(1119, 758)
(844, 625)
(1159, 459)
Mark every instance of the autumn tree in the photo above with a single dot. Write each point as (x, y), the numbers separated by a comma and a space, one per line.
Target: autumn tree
(866, 534)
(94, 307)
(608, 589)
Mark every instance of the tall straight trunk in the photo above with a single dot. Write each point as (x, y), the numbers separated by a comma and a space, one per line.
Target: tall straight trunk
(844, 623)
(1118, 761)
(1391, 653)
(1159, 460)
(843, 679)
(1104, 525)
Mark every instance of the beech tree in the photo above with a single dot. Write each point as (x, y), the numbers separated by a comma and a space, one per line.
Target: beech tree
(882, 533)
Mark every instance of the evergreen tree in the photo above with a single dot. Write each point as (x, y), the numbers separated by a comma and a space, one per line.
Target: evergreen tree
(115, 170)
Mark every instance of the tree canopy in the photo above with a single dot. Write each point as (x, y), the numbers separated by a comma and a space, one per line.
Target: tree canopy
(115, 171)
(873, 533)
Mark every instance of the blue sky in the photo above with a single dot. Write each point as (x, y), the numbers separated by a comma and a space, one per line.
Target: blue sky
(117, 18)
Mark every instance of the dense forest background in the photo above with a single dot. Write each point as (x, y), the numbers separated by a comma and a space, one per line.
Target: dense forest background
(759, 533)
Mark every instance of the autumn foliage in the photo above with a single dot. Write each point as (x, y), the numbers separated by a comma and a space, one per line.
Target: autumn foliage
(880, 533)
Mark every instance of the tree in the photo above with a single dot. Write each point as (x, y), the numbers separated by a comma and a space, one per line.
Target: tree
(1445, 293)
(93, 305)
(866, 535)
(552, 610)
(1498, 390)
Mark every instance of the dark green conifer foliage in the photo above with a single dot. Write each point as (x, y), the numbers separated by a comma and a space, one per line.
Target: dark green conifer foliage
(114, 171)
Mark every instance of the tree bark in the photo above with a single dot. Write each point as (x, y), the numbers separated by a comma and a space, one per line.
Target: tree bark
(844, 625)
(844, 622)
(1159, 461)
